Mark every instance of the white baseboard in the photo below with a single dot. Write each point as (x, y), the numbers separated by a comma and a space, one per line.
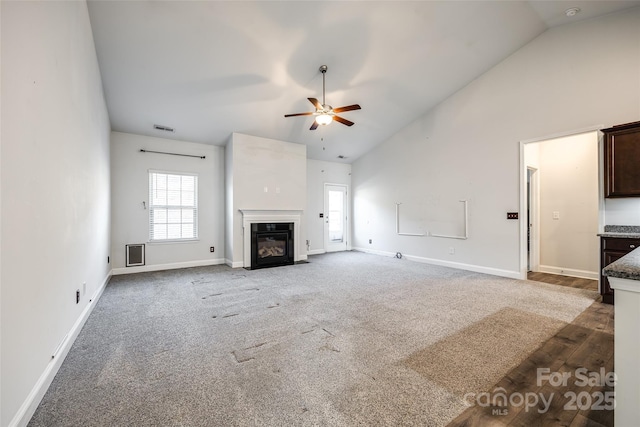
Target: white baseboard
(583, 274)
(170, 266)
(451, 264)
(469, 267)
(30, 404)
(316, 252)
(302, 257)
(374, 251)
(237, 264)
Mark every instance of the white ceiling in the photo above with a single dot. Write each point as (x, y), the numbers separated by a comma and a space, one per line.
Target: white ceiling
(211, 68)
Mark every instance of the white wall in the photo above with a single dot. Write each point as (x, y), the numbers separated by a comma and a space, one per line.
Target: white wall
(55, 192)
(570, 77)
(624, 211)
(320, 173)
(569, 185)
(130, 187)
(259, 163)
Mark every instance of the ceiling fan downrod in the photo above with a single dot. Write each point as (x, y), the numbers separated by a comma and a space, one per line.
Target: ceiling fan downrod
(323, 70)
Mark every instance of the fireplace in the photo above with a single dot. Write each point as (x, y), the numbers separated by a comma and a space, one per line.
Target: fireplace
(271, 244)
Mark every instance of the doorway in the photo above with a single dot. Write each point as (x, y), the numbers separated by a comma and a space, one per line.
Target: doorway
(335, 217)
(561, 205)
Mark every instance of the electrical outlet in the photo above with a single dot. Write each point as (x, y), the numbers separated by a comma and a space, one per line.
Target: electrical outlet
(370, 241)
(556, 215)
(77, 296)
(452, 251)
(212, 249)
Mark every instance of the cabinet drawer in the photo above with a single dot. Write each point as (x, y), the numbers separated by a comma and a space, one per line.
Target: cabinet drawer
(616, 244)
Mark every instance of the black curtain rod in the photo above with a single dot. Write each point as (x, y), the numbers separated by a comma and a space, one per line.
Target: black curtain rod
(172, 154)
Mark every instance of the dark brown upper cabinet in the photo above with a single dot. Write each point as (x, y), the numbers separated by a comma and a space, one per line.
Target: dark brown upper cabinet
(622, 160)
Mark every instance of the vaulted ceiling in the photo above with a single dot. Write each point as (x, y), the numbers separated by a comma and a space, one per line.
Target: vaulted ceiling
(211, 68)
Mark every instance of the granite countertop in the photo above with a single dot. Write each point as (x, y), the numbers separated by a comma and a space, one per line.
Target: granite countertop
(621, 231)
(627, 267)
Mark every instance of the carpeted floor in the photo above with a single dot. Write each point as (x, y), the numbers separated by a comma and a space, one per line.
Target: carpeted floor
(347, 339)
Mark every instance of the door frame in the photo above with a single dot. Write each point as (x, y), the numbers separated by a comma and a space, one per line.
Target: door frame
(347, 221)
(534, 219)
(523, 187)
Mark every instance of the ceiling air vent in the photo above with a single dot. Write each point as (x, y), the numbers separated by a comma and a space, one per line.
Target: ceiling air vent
(342, 157)
(163, 128)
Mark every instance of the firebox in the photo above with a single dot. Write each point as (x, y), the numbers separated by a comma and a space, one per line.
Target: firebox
(271, 244)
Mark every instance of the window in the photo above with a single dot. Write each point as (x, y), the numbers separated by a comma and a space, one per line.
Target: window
(173, 206)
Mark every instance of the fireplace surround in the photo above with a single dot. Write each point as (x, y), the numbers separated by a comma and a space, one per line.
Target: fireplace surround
(256, 216)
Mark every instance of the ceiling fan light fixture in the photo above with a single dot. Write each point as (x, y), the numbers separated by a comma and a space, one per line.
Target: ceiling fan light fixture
(324, 119)
(324, 113)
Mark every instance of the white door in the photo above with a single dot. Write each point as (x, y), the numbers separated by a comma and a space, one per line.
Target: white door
(335, 217)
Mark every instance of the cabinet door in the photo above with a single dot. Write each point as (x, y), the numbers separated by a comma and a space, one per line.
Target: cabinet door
(622, 156)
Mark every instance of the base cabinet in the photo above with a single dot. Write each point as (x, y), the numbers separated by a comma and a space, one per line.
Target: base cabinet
(612, 249)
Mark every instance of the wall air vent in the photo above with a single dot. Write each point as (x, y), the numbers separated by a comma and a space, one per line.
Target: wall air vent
(163, 128)
(135, 255)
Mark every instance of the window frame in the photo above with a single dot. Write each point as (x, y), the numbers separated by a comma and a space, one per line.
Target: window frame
(151, 207)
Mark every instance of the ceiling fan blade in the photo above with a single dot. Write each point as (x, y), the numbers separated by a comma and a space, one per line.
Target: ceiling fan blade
(343, 121)
(315, 103)
(299, 114)
(314, 126)
(347, 108)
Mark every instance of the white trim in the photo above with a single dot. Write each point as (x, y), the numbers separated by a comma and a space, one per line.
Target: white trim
(172, 241)
(237, 264)
(523, 187)
(583, 274)
(522, 236)
(347, 221)
(564, 134)
(30, 404)
(601, 203)
(375, 252)
(316, 252)
(629, 285)
(170, 266)
(534, 212)
(468, 267)
(150, 206)
(456, 265)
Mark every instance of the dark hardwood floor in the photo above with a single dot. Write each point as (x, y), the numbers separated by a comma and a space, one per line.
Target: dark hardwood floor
(586, 343)
(556, 279)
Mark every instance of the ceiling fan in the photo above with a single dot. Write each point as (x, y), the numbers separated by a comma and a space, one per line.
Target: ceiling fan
(324, 113)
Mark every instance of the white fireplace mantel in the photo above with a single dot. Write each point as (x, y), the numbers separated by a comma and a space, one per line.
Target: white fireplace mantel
(250, 216)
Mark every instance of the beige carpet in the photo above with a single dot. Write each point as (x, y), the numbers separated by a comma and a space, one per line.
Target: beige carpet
(347, 339)
(473, 359)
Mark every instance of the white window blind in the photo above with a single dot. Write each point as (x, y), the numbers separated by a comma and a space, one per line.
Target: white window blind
(173, 206)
